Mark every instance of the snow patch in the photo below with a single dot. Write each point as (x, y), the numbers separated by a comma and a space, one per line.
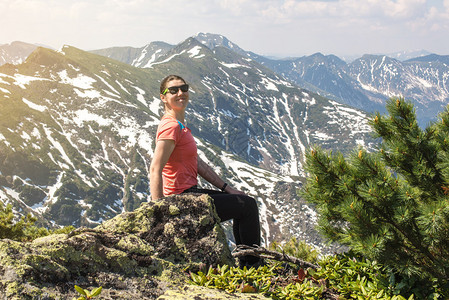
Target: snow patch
(167, 60)
(81, 81)
(5, 90)
(152, 59)
(59, 147)
(122, 87)
(91, 94)
(25, 136)
(34, 106)
(140, 96)
(108, 85)
(84, 115)
(36, 133)
(22, 80)
(195, 51)
(155, 105)
(269, 85)
(231, 66)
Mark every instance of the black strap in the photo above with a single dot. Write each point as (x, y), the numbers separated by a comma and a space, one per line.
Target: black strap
(224, 187)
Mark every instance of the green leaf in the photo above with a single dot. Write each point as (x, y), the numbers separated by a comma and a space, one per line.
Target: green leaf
(380, 294)
(80, 290)
(96, 291)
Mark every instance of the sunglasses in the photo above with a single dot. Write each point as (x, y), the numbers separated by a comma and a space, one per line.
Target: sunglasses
(175, 89)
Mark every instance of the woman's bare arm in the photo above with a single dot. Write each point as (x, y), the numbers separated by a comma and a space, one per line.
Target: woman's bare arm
(205, 171)
(162, 152)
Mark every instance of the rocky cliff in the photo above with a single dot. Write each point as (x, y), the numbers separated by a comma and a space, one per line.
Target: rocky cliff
(142, 254)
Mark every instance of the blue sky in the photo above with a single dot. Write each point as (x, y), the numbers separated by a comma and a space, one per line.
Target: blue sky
(267, 27)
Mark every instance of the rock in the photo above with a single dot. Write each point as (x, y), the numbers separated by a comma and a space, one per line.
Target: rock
(141, 254)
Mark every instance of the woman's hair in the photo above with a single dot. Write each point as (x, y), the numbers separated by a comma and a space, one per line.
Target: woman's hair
(168, 79)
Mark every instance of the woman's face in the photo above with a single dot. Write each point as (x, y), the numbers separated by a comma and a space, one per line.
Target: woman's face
(176, 101)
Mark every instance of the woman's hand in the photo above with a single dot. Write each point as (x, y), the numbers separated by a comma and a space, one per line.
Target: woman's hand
(205, 171)
(231, 190)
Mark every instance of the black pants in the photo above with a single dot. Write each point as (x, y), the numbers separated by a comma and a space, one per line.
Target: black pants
(242, 209)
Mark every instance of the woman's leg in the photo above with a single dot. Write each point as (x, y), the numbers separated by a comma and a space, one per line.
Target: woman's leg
(243, 211)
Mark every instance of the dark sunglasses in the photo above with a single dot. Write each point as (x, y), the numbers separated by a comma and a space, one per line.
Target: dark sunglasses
(175, 89)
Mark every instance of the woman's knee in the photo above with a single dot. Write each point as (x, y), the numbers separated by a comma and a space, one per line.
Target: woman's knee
(250, 204)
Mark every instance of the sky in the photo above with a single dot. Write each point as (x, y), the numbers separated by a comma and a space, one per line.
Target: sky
(267, 27)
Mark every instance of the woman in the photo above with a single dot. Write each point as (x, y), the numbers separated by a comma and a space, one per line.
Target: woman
(176, 164)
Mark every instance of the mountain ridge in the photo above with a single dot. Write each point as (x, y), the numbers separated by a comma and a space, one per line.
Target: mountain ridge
(331, 77)
(15, 52)
(84, 124)
(357, 85)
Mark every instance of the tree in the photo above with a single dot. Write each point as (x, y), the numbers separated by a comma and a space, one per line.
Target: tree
(20, 230)
(23, 228)
(391, 205)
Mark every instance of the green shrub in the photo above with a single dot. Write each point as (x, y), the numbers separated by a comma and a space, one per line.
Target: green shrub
(296, 248)
(86, 294)
(391, 205)
(340, 276)
(23, 229)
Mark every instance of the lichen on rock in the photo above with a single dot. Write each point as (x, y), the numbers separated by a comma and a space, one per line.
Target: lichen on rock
(139, 254)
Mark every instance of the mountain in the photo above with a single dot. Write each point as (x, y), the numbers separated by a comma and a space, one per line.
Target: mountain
(15, 53)
(327, 76)
(211, 41)
(77, 133)
(365, 83)
(407, 55)
(421, 80)
(137, 57)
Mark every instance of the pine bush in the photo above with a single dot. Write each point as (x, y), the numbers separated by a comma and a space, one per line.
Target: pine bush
(390, 205)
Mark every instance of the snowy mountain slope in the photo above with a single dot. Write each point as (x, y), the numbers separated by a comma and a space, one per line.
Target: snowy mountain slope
(72, 139)
(367, 82)
(77, 132)
(422, 80)
(255, 113)
(408, 55)
(15, 53)
(137, 57)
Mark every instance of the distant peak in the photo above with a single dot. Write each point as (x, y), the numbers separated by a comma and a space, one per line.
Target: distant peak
(63, 47)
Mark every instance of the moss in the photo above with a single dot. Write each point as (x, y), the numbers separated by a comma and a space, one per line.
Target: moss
(148, 249)
(206, 220)
(181, 246)
(13, 289)
(9, 250)
(43, 266)
(34, 292)
(133, 244)
(173, 210)
(172, 273)
(120, 262)
(122, 223)
(131, 222)
(169, 229)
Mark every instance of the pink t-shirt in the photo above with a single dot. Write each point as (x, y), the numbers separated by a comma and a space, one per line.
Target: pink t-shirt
(181, 170)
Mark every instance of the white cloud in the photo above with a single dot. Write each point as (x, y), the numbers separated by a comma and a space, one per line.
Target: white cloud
(345, 8)
(262, 26)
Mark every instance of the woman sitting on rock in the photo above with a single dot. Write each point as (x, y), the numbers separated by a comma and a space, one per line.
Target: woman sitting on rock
(176, 164)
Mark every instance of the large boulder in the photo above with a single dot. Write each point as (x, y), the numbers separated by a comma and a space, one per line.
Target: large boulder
(141, 254)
